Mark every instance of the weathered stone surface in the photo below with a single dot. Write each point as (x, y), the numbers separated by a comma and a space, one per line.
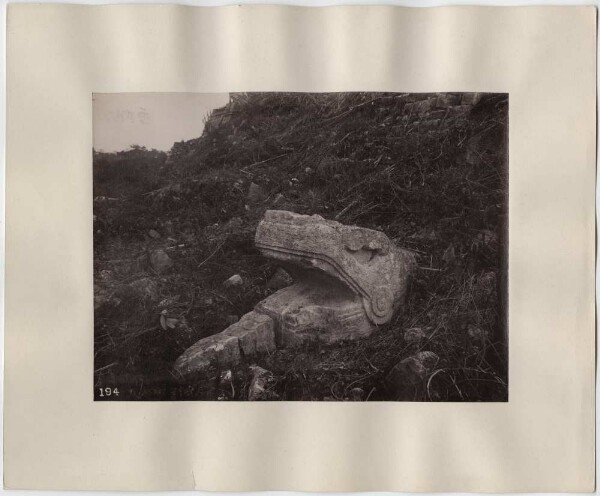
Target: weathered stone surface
(309, 312)
(235, 280)
(363, 261)
(256, 193)
(348, 280)
(160, 261)
(252, 334)
(261, 384)
(407, 379)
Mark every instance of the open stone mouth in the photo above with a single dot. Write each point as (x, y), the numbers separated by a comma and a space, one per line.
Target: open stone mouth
(347, 281)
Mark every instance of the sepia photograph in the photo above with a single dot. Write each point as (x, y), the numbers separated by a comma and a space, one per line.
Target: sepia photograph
(300, 247)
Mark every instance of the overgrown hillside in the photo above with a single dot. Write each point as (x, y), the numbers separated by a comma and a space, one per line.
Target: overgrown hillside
(429, 170)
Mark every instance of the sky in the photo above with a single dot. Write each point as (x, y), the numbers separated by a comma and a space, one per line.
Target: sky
(153, 120)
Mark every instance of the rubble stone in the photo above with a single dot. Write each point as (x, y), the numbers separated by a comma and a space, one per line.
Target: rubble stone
(262, 380)
(160, 261)
(255, 193)
(234, 280)
(406, 380)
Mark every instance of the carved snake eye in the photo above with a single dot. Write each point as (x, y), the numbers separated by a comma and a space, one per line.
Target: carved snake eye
(353, 239)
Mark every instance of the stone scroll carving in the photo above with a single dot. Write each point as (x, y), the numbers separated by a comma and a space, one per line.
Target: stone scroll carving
(347, 281)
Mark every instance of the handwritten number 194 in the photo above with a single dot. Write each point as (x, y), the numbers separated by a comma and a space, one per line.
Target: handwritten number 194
(108, 392)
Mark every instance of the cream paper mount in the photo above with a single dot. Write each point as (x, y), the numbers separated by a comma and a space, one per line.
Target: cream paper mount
(57, 437)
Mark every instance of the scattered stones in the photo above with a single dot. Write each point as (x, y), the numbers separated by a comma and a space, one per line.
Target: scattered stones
(280, 279)
(160, 261)
(407, 379)
(235, 280)
(256, 194)
(261, 384)
(153, 234)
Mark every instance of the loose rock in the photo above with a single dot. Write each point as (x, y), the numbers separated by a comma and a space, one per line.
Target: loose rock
(407, 379)
(256, 194)
(261, 384)
(153, 234)
(160, 261)
(235, 280)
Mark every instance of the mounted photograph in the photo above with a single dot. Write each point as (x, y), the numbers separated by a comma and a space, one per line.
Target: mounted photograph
(300, 247)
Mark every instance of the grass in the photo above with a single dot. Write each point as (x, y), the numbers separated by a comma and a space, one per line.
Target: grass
(432, 176)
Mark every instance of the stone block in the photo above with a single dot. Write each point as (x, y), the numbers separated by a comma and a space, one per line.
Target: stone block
(347, 281)
(252, 334)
